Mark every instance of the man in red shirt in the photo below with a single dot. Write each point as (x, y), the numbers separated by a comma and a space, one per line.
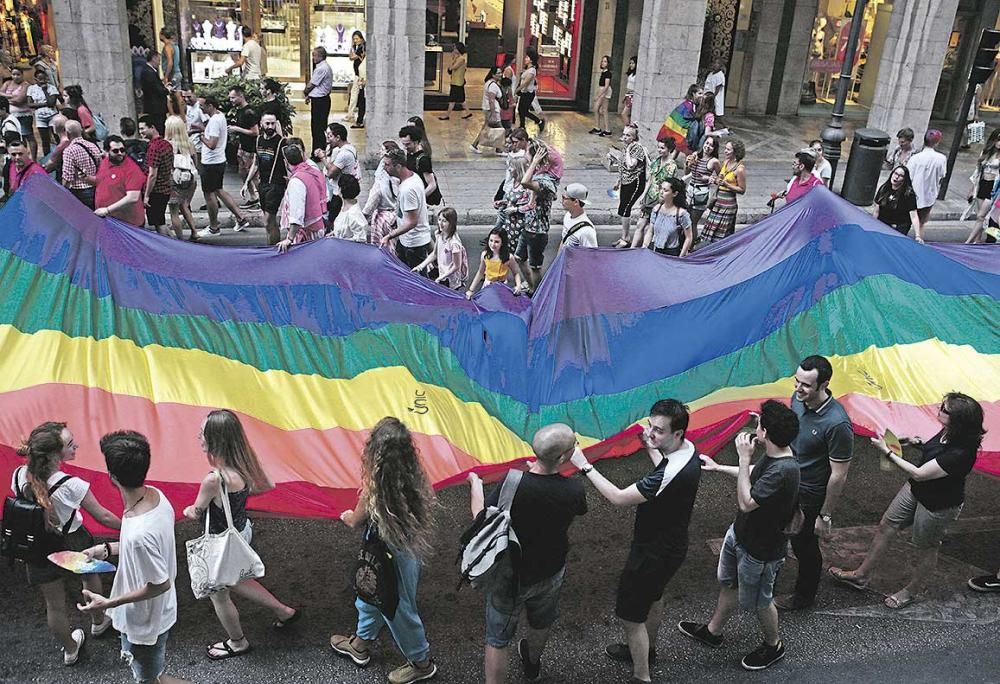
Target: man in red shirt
(160, 162)
(21, 166)
(803, 181)
(120, 183)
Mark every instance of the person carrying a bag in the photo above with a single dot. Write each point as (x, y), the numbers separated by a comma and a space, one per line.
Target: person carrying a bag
(396, 509)
(236, 475)
(492, 134)
(61, 496)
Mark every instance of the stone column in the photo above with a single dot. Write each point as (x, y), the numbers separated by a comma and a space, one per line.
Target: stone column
(92, 37)
(910, 68)
(773, 87)
(669, 49)
(395, 88)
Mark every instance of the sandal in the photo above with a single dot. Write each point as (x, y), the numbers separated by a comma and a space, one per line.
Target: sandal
(622, 243)
(227, 647)
(288, 622)
(841, 576)
(893, 601)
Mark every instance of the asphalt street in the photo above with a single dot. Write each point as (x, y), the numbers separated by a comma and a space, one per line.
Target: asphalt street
(850, 636)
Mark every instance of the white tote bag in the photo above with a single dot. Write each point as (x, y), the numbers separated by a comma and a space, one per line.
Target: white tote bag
(218, 561)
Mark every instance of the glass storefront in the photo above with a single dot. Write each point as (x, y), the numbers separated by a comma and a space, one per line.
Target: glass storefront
(24, 27)
(830, 33)
(554, 32)
(289, 30)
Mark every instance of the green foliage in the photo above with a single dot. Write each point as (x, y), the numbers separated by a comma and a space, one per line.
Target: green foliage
(220, 87)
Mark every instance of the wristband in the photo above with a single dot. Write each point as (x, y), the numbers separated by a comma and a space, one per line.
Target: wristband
(107, 550)
(586, 470)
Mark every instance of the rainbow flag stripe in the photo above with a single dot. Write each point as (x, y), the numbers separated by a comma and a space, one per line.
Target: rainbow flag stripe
(676, 126)
(106, 327)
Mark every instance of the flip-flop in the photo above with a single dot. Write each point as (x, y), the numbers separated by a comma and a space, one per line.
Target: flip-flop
(621, 244)
(282, 624)
(230, 652)
(894, 603)
(838, 574)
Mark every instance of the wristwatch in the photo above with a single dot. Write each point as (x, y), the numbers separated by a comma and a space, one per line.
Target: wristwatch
(826, 517)
(585, 470)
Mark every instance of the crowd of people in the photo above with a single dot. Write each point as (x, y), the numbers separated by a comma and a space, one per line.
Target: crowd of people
(790, 493)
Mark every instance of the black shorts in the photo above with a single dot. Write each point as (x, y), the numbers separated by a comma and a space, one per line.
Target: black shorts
(413, 256)
(456, 94)
(669, 251)
(77, 540)
(531, 248)
(642, 583)
(156, 212)
(985, 190)
(211, 176)
(270, 196)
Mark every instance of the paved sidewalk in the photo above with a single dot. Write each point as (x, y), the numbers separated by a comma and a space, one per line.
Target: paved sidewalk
(468, 181)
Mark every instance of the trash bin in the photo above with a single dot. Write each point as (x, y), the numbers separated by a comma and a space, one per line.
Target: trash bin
(863, 168)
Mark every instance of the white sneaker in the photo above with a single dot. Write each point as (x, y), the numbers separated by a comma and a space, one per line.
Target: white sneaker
(475, 149)
(207, 232)
(240, 226)
(98, 630)
(78, 636)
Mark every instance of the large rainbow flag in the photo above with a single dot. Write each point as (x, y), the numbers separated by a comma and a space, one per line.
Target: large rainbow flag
(106, 327)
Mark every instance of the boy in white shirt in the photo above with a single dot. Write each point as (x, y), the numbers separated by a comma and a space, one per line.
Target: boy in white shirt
(143, 601)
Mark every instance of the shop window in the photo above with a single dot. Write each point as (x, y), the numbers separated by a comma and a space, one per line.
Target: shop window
(281, 36)
(830, 33)
(25, 27)
(212, 31)
(553, 28)
(332, 24)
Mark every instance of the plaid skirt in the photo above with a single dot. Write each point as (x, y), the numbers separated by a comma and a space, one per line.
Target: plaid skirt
(383, 223)
(721, 221)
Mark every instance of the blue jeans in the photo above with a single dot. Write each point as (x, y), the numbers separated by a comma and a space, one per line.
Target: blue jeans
(407, 629)
(147, 663)
(753, 579)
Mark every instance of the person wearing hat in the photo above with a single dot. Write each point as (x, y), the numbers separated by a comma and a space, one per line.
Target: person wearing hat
(578, 229)
(927, 168)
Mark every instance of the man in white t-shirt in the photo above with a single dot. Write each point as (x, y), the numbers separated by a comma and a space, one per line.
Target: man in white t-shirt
(578, 229)
(413, 229)
(715, 83)
(250, 59)
(143, 600)
(213, 170)
(196, 120)
(339, 158)
(927, 168)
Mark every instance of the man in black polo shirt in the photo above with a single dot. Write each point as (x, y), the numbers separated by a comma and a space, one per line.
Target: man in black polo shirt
(419, 162)
(247, 127)
(664, 499)
(755, 544)
(542, 511)
(823, 448)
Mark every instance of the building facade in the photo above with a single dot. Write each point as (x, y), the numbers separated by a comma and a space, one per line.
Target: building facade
(782, 57)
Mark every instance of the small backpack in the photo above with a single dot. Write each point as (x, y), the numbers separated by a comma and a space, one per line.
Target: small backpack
(100, 128)
(25, 535)
(490, 542)
(183, 173)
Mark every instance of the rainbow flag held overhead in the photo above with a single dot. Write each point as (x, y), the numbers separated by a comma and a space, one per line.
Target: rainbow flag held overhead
(676, 125)
(108, 327)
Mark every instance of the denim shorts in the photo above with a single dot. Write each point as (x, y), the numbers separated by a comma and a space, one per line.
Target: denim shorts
(752, 578)
(929, 527)
(531, 248)
(147, 662)
(540, 602)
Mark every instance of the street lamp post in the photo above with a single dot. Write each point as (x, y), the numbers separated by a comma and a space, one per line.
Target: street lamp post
(833, 135)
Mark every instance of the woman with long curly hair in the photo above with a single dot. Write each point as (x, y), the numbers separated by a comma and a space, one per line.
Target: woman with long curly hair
(930, 500)
(396, 504)
(62, 496)
(236, 473)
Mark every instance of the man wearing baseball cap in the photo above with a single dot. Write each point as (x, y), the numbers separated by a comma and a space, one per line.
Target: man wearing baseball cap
(578, 229)
(927, 168)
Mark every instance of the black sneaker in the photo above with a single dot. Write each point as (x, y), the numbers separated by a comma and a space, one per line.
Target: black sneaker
(987, 584)
(764, 657)
(594, 131)
(621, 654)
(699, 632)
(531, 669)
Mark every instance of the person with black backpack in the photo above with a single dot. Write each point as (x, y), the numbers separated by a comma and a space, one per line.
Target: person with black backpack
(43, 517)
(396, 508)
(542, 508)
